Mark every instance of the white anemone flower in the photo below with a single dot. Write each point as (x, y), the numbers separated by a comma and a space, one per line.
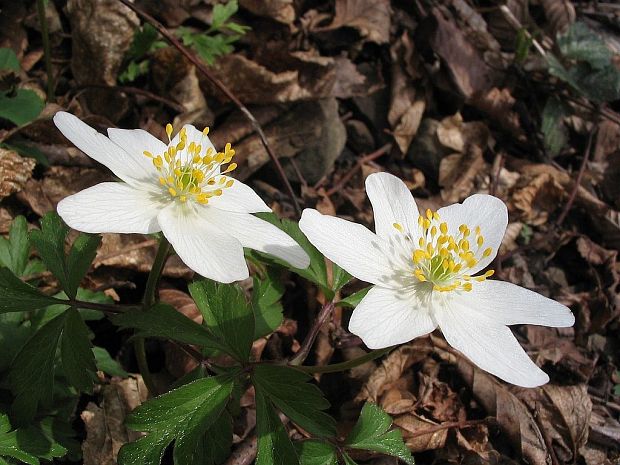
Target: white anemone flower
(424, 270)
(181, 189)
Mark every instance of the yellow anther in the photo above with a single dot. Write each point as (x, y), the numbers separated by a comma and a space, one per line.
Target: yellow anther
(158, 162)
(418, 255)
(205, 131)
(207, 159)
(464, 245)
(219, 158)
(489, 273)
(443, 227)
(445, 263)
(398, 227)
(181, 145)
(436, 216)
(231, 167)
(198, 149)
(183, 198)
(477, 230)
(487, 252)
(421, 221)
(173, 151)
(421, 242)
(230, 183)
(467, 287)
(147, 154)
(162, 181)
(169, 130)
(480, 241)
(430, 249)
(172, 191)
(429, 214)
(218, 192)
(433, 231)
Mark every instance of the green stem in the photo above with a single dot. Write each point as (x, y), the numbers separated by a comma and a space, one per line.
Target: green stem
(46, 49)
(147, 302)
(336, 367)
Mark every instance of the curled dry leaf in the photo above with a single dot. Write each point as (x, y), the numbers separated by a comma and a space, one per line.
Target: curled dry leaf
(105, 430)
(535, 198)
(411, 425)
(282, 11)
(15, 171)
(371, 18)
(498, 105)
(560, 14)
(457, 174)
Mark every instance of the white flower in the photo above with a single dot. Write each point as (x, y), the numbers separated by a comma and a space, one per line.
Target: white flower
(179, 188)
(423, 269)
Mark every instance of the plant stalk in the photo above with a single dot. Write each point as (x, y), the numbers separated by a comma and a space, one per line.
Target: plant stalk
(324, 314)
(147, 301)
(336, 367)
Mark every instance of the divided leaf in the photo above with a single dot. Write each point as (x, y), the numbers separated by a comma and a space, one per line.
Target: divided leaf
(17, 296)
(227, 315)
(266, 295)
(78, 360)
(553, 128)
(182, 415)
(163, 321)
(290, 391)
(27, 445)
(274, 445)
(372, 433)
(315, 452)
(14, 251)
(50, 243)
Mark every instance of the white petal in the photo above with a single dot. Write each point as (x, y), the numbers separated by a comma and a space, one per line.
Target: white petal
(349, 245)
(127, 166)
(510, 304)
(386, 317)
(112, 207)
(392, 202)
(257, 234)
(239, 198)
(208, 251)
(135, 142)
(487, 343)
(486, 211)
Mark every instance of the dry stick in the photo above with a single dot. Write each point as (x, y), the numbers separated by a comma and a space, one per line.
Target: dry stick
(447, 425)
(366, 158)
(582, 170)
(200, 66)
(495, 181)
(324, 314)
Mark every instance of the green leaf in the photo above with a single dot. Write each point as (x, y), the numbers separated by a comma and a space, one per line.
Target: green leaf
(107, 364)
(8, 59)
(274, 445)
(21, 108)
(223, 12)
(50, 243)
(348, 460)
(372, 433)
(290, 391)
(17, 296)
(317, 271)
(340, 277)
(315, 452)
(216, 443)
(163, 321)
(580, 43)
(78, 360)
(14, 251)
(354, 299)
(13, 335)
(31, 375)
(266, 295)
(182, 415)
(29, 444)
(227, 315)
(553, 128)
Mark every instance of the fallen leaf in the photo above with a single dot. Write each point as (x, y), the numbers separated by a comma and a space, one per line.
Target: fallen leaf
(457, 173)
(371, 18)
(15, 171)
(282, 11)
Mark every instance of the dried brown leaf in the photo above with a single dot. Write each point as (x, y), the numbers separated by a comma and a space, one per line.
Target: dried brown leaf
(457, 173)
(15, 171)
(282, 11)
(411, 425)
(498, 105)
(560, 14)
(371, 18)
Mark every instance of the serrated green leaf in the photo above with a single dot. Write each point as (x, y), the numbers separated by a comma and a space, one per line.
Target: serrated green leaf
(227, 315)
(78, 360)
(216, 443)
(274, 445)
(266, 295)
(14, 251)
(292, 393)
(163, 321)
(31, 375)
(17, 296)
(21, 108)
(80, 257)
(582, 44)
(8, 59)
(317, 271)
(315, 452)
(107, 364)
(371, 432)
(223, 12)
(354, 299)
(554, 131)
(182, 415)
(13, 335)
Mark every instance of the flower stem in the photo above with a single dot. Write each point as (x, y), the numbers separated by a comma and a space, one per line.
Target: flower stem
(46, 49)
(147, 302)
(336, 367)
(322, 317)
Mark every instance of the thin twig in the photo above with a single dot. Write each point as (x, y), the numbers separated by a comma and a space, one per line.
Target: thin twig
(322, 317)
(360, 162)
(495, 181)
(582, 170)
(135, 90)
(106, 308)
(46, 49)
(200, 66)
(447, 425)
